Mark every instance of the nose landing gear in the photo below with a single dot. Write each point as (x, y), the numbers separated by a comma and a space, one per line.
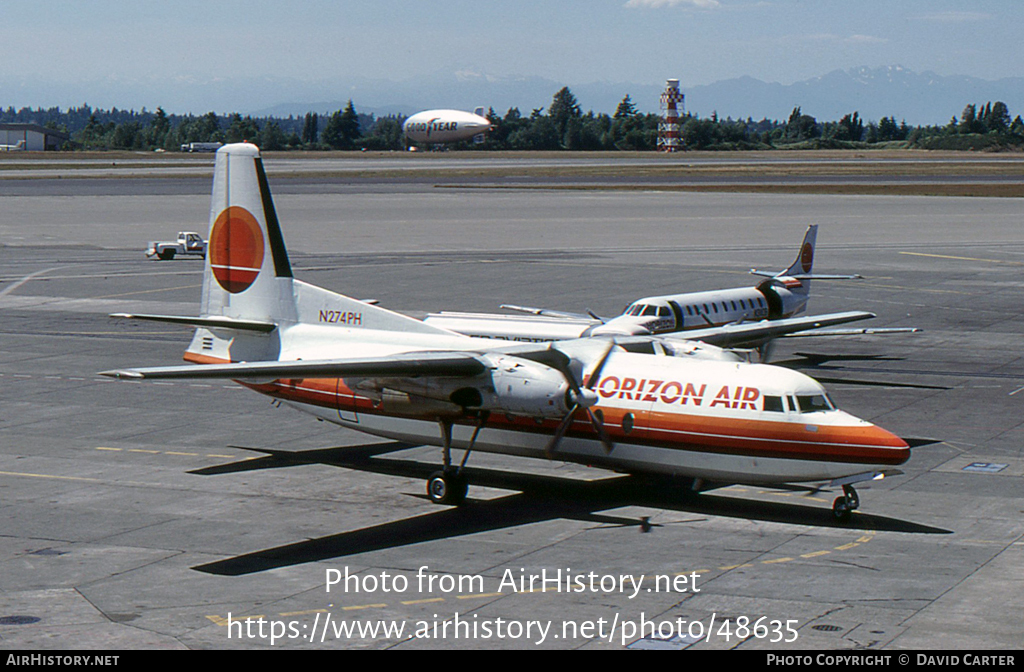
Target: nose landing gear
(844, 506)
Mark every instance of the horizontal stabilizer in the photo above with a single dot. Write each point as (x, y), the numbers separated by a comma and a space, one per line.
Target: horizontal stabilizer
(451, 364)
(805, 276)
(206, 322)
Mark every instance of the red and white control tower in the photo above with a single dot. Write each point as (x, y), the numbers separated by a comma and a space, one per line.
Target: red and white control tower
(670, 138)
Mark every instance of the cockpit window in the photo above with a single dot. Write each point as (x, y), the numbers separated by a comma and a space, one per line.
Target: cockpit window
(650, 311)
(663, 311)
(814, 402)
(773, 404)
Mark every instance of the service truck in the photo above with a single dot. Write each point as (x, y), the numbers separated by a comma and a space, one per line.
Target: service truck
(189, 242)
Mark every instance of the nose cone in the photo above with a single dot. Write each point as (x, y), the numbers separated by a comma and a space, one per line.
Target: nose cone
(895, 447)
(875, 445)
(621, 326)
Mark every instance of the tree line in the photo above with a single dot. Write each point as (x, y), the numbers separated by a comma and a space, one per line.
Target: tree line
(561, 126)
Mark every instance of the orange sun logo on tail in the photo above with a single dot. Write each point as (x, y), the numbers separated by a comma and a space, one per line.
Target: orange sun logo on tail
(807, 257)
(236, 249)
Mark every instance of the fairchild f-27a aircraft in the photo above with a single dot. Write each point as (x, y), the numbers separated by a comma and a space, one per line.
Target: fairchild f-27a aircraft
(781, 298)
(633, 404)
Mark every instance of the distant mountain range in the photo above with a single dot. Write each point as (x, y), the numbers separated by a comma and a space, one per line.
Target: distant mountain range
(917, 98)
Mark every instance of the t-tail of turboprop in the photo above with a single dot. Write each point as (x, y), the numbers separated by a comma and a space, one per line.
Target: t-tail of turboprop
(249, 295)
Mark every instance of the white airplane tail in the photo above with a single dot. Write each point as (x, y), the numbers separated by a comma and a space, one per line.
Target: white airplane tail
(805, 257)
(802, 269)
(248, 276)
(249, 293)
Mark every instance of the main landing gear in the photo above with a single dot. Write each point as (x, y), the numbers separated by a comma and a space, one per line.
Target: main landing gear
(844, 506)
(450, 485)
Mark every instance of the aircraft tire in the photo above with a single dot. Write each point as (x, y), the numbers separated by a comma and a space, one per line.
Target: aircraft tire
(841, 509)
(447, 488)
(852, 498)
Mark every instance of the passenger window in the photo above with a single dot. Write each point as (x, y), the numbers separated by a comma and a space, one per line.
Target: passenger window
(773, 404)
(689, 311)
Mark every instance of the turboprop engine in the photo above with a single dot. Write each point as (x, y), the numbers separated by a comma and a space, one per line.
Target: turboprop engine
(511, 385)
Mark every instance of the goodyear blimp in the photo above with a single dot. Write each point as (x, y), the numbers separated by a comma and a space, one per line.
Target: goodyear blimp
(443, 126)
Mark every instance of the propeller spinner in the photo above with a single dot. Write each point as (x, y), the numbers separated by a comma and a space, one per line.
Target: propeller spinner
(581, 396)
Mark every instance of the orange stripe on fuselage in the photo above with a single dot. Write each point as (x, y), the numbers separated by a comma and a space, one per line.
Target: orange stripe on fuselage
(867, 444)
(677, 431)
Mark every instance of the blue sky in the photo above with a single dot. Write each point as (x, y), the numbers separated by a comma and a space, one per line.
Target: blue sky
(56, 52)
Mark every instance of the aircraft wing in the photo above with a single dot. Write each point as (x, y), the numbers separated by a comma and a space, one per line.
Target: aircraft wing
(745, 333)
(866, 331)
(550, 313)
(450, 364)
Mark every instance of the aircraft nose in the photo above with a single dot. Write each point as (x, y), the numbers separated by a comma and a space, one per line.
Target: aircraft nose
(890, 448)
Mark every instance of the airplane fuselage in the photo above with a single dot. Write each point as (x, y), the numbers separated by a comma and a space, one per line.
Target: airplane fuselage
(651, 315)
(722, 421)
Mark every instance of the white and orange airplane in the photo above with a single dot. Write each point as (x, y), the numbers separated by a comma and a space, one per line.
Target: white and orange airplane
(637, 404)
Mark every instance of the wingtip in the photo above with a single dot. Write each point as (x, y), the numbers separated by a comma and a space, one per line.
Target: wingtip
(122, 374)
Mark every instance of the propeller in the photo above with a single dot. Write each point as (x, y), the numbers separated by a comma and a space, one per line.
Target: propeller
(583, 396)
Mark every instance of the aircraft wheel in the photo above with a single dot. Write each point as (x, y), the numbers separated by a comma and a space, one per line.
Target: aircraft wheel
(852, 498)
(447, 488)
(841, 509)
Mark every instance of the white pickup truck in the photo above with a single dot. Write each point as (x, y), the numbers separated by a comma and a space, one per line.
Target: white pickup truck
(189, 242)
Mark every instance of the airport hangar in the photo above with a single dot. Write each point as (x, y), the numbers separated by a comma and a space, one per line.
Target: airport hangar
(36, 138)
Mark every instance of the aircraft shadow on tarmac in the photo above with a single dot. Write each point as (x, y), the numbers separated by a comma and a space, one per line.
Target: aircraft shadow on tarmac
(820, 362)
(536, 499)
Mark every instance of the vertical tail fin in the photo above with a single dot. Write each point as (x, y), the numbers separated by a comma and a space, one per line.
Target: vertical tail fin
(247, 274)
(805, 257)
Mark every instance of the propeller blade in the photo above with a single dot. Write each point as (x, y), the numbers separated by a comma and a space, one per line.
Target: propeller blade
(595, 375)
(549, 450)
(581, 399)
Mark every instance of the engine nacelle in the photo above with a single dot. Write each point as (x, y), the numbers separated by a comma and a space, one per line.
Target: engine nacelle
(522, 387)
(512, 385)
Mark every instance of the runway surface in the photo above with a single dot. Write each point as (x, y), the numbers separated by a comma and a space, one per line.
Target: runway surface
(146, 515)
